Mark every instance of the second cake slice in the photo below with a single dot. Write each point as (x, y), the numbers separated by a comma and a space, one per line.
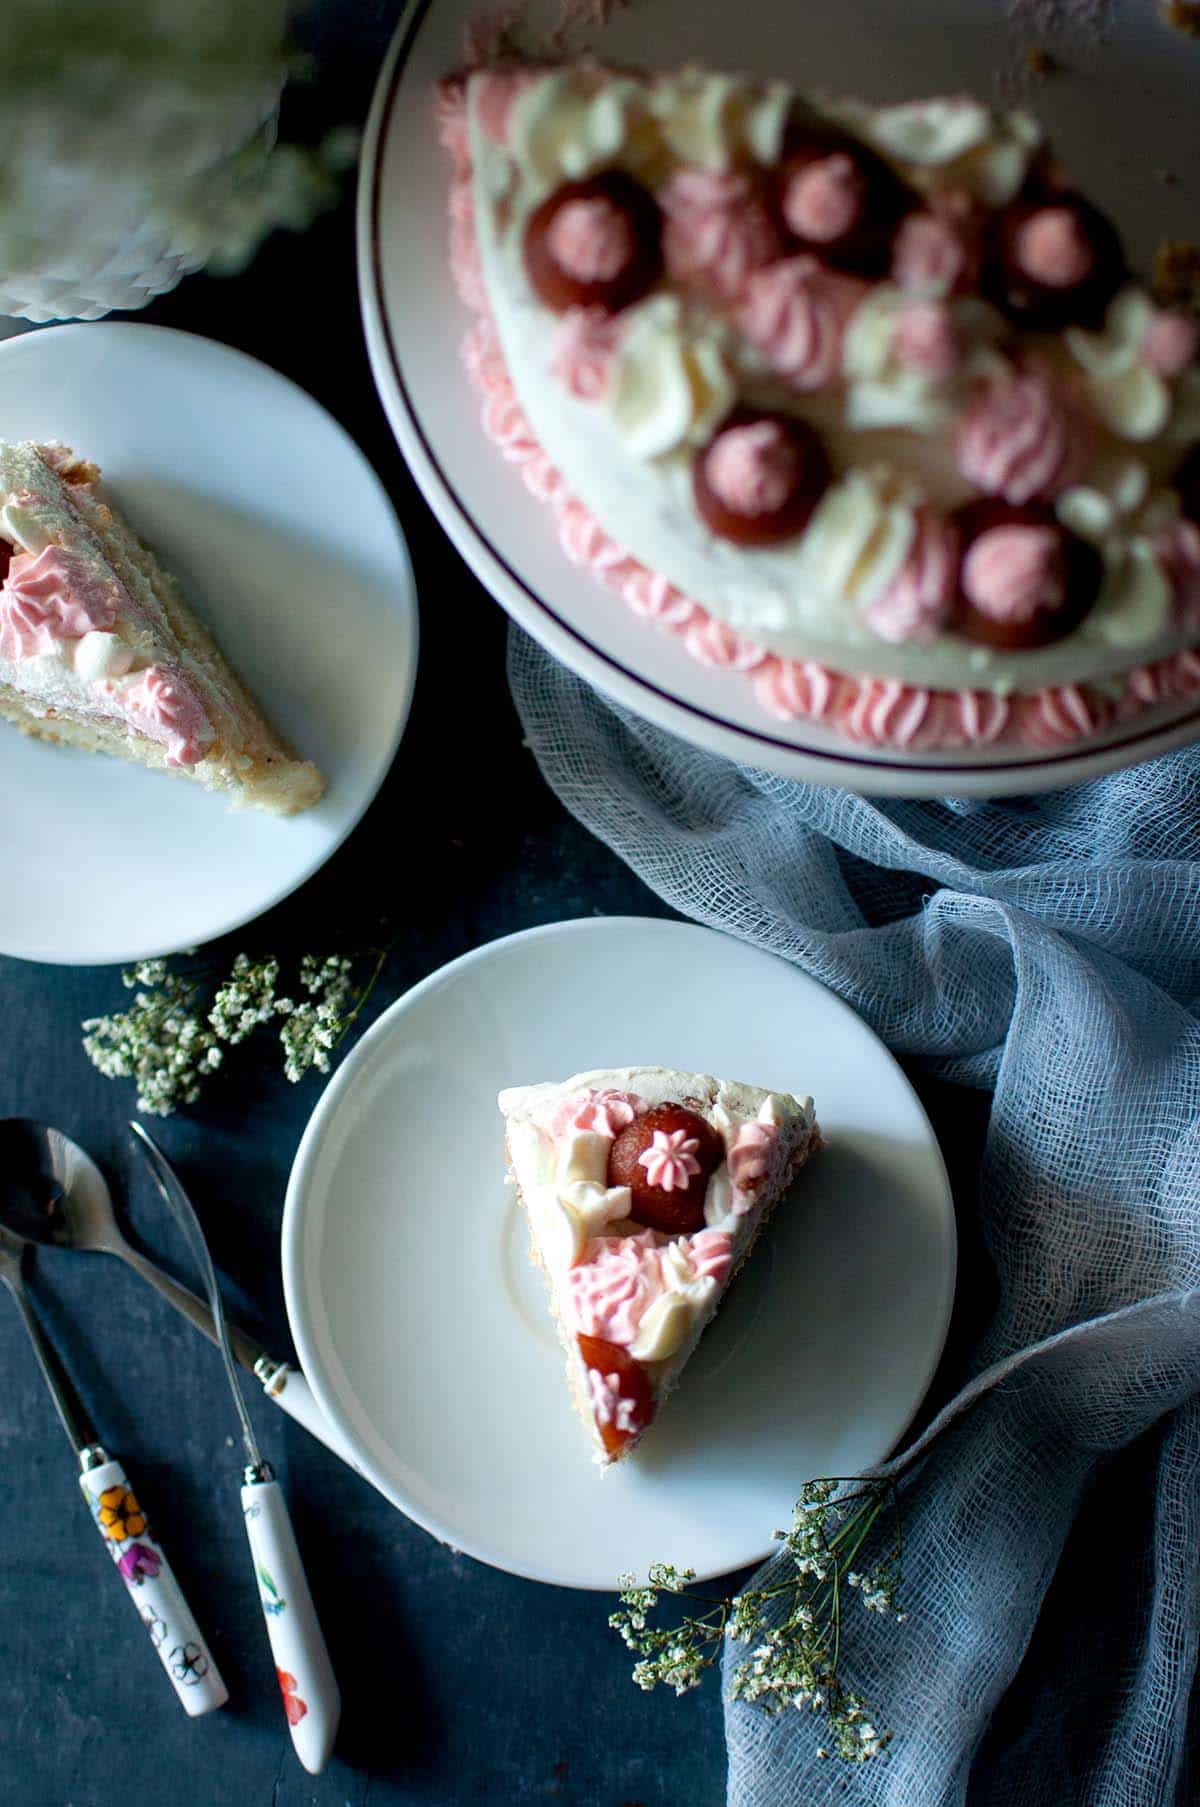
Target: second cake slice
(99, 649)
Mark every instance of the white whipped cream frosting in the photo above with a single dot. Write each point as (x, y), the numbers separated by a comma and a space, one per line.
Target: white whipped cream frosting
(22, 526)
(1133, 399)
(674, 1317)
(101, 655)
(859, 537)
(954, 139)
(671, 382)
(1120, 513)
(562, 129)
(883, 391)
(564, 1190)
(564, 1210)
(708, 118)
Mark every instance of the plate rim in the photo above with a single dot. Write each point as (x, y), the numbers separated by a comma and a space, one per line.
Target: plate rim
(907, 777)
(334, 1097)
(408, 623)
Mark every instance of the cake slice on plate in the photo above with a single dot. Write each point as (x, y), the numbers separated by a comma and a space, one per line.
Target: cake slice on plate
(645, 1189)
(99, 649)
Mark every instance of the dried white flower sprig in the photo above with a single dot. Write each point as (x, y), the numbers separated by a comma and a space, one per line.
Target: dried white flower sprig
(794, 1625)
(169, 1044)
(138, 143)
(312, 1030)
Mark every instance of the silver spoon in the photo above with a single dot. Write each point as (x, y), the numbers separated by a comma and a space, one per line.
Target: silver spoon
(55, 1194)
(139, 1558)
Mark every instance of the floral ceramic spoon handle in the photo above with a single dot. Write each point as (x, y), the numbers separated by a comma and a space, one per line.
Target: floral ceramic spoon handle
(155, 1592)
(310, 1692)
(119, 1519)
(306, 1680)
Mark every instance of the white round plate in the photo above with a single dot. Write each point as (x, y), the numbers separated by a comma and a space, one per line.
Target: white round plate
(1120, 112)
(424, 1328)
(285, 538)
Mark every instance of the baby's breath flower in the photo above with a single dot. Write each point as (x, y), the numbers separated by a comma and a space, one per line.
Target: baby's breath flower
(313, 1029)
(791, 1627)
(160, 1042)
(245, 1000)
(169, 1044)
(674, 1580)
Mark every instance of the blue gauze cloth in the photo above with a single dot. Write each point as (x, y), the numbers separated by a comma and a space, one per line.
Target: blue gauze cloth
(1048, 949)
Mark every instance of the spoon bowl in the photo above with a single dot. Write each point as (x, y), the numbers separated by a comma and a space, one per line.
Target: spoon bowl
(54, 1193)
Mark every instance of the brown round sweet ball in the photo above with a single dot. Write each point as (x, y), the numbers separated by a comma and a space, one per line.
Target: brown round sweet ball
(759, 477)
(594, 243)
(839, 201)
(665, 1157)
(1025, 580)
(1055, 261)
(628, 1405)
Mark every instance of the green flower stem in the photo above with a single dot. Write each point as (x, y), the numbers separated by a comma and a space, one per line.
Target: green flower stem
(792, 1662)
(365, 993)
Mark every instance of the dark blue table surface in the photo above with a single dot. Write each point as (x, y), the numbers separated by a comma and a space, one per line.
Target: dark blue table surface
(460, 1684)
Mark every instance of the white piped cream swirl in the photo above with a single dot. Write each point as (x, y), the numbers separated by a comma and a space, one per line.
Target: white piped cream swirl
(1122, 516)
(709, 119)
(671, 1319)
(889, 386)
(22, 526)
(858, 538)
(1134, 391)
(671, 382)
(560, 130)
(100, 655)
(950, 141)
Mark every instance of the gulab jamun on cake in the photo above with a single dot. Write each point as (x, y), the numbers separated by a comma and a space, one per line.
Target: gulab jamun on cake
(98, 648)
(645, 1190)
(862, 402)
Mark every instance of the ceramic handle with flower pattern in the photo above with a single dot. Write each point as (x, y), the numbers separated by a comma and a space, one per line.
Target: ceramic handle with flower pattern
(156, 1594)
(311, 1698)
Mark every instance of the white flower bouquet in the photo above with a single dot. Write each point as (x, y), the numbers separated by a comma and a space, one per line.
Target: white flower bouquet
(137, 143)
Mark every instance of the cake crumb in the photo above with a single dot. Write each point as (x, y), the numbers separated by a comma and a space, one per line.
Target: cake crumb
(1176, 279)
(1041, 63)
(1182, 16)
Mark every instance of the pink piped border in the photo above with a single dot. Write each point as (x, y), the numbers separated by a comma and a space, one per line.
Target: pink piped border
(871, 711)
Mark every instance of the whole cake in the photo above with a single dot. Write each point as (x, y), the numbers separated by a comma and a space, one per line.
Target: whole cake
(99, 649)
(645, 1189)
(861, 401)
